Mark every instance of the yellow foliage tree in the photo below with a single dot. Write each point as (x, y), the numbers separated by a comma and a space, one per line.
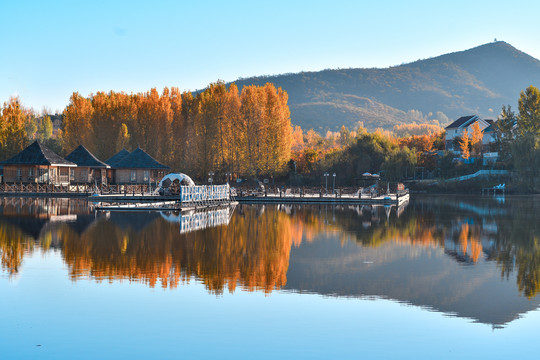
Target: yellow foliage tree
(476, 138)
(464, 144)
(13, 137)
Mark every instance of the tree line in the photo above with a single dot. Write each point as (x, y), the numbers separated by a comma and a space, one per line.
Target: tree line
(248, 134)
(517, 139)
(221, 129)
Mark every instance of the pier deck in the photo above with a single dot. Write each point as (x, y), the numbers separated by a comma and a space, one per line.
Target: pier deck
(389, 199)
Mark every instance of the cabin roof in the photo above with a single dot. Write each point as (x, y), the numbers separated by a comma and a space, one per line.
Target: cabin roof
(138, 159)
(113, 160)
(488, 129)
(37, 154)
(82, 157)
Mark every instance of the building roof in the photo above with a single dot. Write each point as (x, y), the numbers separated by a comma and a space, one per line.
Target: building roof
(463, 121)
(37, 154)
(488, 129)
(139, 159)
(82, 157)
(113, 160)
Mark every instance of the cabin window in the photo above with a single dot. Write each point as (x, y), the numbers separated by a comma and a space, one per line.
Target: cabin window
(146, 176)
(42, 177)
(30, 173)
(133, 176)
(72, 174)
(19, 174)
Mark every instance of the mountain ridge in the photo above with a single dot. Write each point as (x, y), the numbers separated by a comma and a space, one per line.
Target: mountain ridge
(439, 89)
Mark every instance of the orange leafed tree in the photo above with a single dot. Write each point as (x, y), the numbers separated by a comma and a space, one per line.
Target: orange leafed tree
(12, 128)
(219, 130)
(464, 144)
(476, 138)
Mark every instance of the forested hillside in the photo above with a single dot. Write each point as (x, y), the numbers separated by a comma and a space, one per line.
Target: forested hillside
(478, 80)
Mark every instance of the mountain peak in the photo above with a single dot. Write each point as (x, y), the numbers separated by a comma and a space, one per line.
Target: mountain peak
(475, 81)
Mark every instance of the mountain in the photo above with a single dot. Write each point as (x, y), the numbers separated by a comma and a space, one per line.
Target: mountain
(475, 81)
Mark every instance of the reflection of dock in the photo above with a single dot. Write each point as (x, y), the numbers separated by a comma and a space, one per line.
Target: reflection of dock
(198, 220)
(388, 199)
(188, 198)
(160, 206)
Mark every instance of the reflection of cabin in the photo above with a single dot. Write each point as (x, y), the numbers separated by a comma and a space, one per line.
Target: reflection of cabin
(89, 169)
(37, 164)
(136, 167)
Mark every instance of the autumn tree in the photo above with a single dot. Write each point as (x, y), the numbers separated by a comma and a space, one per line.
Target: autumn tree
(77, 125)
(399, 164)
(476, 138)
(345, 137)
(218, 130)
(464, 144)
(297, 139)
(44, 129)
(13, 136)
(178, 128)
(406, 130)
(31, 126)
(235, 153)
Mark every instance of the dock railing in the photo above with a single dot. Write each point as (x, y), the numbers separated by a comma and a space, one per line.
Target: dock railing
(204, 193)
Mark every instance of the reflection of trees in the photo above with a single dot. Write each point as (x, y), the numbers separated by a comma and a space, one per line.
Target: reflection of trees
(253, 250)
(517, 245)
(13, 246)
(25, 221)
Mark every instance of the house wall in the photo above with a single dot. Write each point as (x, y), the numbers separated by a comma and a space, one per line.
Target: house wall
(80, 175)
(487, 140)
(36, 174)
(86, 175)
(454, 133)
(123, 176)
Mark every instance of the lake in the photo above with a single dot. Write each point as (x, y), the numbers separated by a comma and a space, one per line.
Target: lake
(444, 277)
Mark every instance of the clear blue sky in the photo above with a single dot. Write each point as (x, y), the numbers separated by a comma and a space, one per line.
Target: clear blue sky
(49, 49)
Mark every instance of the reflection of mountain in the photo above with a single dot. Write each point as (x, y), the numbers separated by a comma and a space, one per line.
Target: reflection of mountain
(447, 254)
(418, 258)
(417, 275)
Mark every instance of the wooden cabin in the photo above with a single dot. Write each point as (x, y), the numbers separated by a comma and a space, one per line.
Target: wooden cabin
(136, 167)
(112, 162)
(37, 164)
(89, 169)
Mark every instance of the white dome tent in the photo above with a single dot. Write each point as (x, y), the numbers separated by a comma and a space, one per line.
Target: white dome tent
(168, 179)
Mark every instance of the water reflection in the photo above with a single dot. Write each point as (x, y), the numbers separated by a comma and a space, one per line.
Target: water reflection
(198, 220)
(472, 257)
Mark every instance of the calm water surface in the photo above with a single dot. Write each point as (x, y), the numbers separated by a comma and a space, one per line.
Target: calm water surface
(443, 277)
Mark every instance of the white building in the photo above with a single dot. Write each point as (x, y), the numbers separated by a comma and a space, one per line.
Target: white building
(458, 127)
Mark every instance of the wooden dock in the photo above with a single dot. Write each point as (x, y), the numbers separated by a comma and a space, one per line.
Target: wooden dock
(142, 200)
(388, 199)
(493, 190)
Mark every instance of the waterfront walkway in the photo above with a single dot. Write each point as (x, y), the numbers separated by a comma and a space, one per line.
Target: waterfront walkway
(362, 199)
